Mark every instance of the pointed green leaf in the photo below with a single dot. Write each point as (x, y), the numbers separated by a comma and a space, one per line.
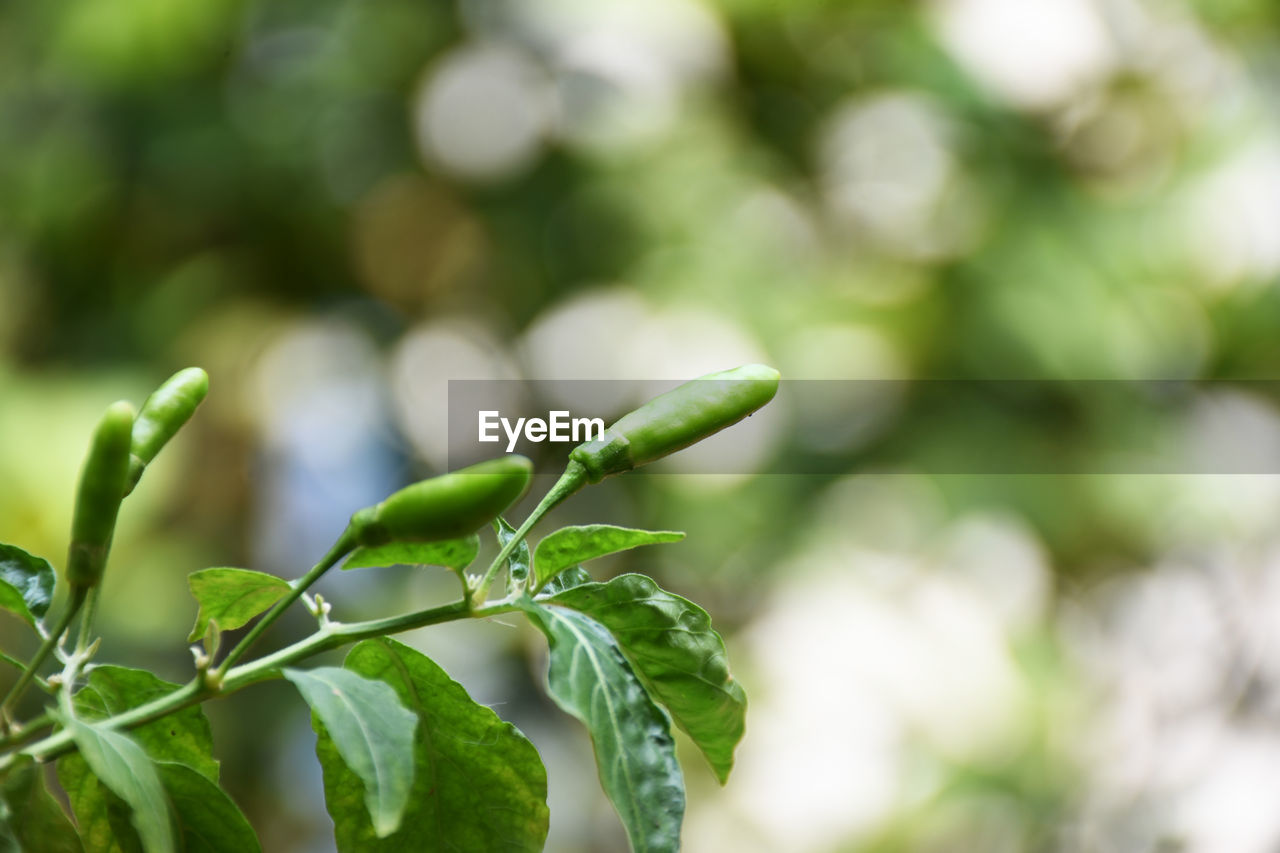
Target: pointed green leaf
(635, 754)
(518, 562)
(183, 737)
(372, 732)
(570, 546)
(670, 642)
(208, 820)
(11, 600)
(26, 583)
(454, 554)
(123, 767)
(478, 784)
(30, 818)
(231, 597)
(103, 818)
(569, 578)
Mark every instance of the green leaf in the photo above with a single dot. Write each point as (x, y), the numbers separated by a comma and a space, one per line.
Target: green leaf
(26, 583)
(635, 754)
(570, 546)
(103, 818)
(11, 600)
(478, 784)
(31, 821)
(681, 659)
(518, 562)
(119, 763)
(372, 732)
(208, 820)
(454, 554)
(183, 736)
(229, 598)
(567, 579)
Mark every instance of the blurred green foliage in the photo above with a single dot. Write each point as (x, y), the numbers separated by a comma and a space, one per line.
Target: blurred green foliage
(857, 190)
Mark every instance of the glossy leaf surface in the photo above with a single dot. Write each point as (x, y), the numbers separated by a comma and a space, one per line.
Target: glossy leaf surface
(208, 820)
(570, 546)
(590, 678)
(183, 737)
(229, 598)
(30, 818)
(123, 767)
(518, 562)
(478, 783)
(372, 733)
(26, 583)
(670, 642)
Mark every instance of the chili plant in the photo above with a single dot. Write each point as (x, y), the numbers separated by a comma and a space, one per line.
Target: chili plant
(410, 761)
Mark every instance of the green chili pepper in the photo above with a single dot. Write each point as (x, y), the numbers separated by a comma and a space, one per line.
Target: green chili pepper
(445, 507)
(667, 423)
(98, 500)
(163, 414)
(674, 420)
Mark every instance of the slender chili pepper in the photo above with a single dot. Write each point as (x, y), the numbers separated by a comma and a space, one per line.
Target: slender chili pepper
(667, 423)
(98, 500)
(163, 414)
(445, 507)
(674, 420)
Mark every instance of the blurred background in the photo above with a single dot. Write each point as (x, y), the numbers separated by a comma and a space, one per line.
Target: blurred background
(335, 206)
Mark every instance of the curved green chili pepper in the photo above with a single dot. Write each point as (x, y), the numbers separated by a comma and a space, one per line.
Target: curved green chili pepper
(163, 414)
(445, 507)
(101, 489)
(674, 420)
(667, 423)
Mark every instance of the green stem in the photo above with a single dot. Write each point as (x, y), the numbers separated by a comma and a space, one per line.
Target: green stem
(344, 545)
(30, 731)
(13, 662)
(225, 679)
(70, 672)
(86, 618)
(573, 479)
(56, 744)
(198, 690)
(337, 634)
(15, 692)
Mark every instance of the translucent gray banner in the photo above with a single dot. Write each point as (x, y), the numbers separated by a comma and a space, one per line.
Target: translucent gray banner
(971, 427)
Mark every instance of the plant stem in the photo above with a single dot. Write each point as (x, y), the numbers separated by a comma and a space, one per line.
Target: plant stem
(30, 731)
(86, 619)
(198, 689)
(15, 692)
(573, 479)
(71, 671)
(339, 550)
(225, 679)
(13, 662)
